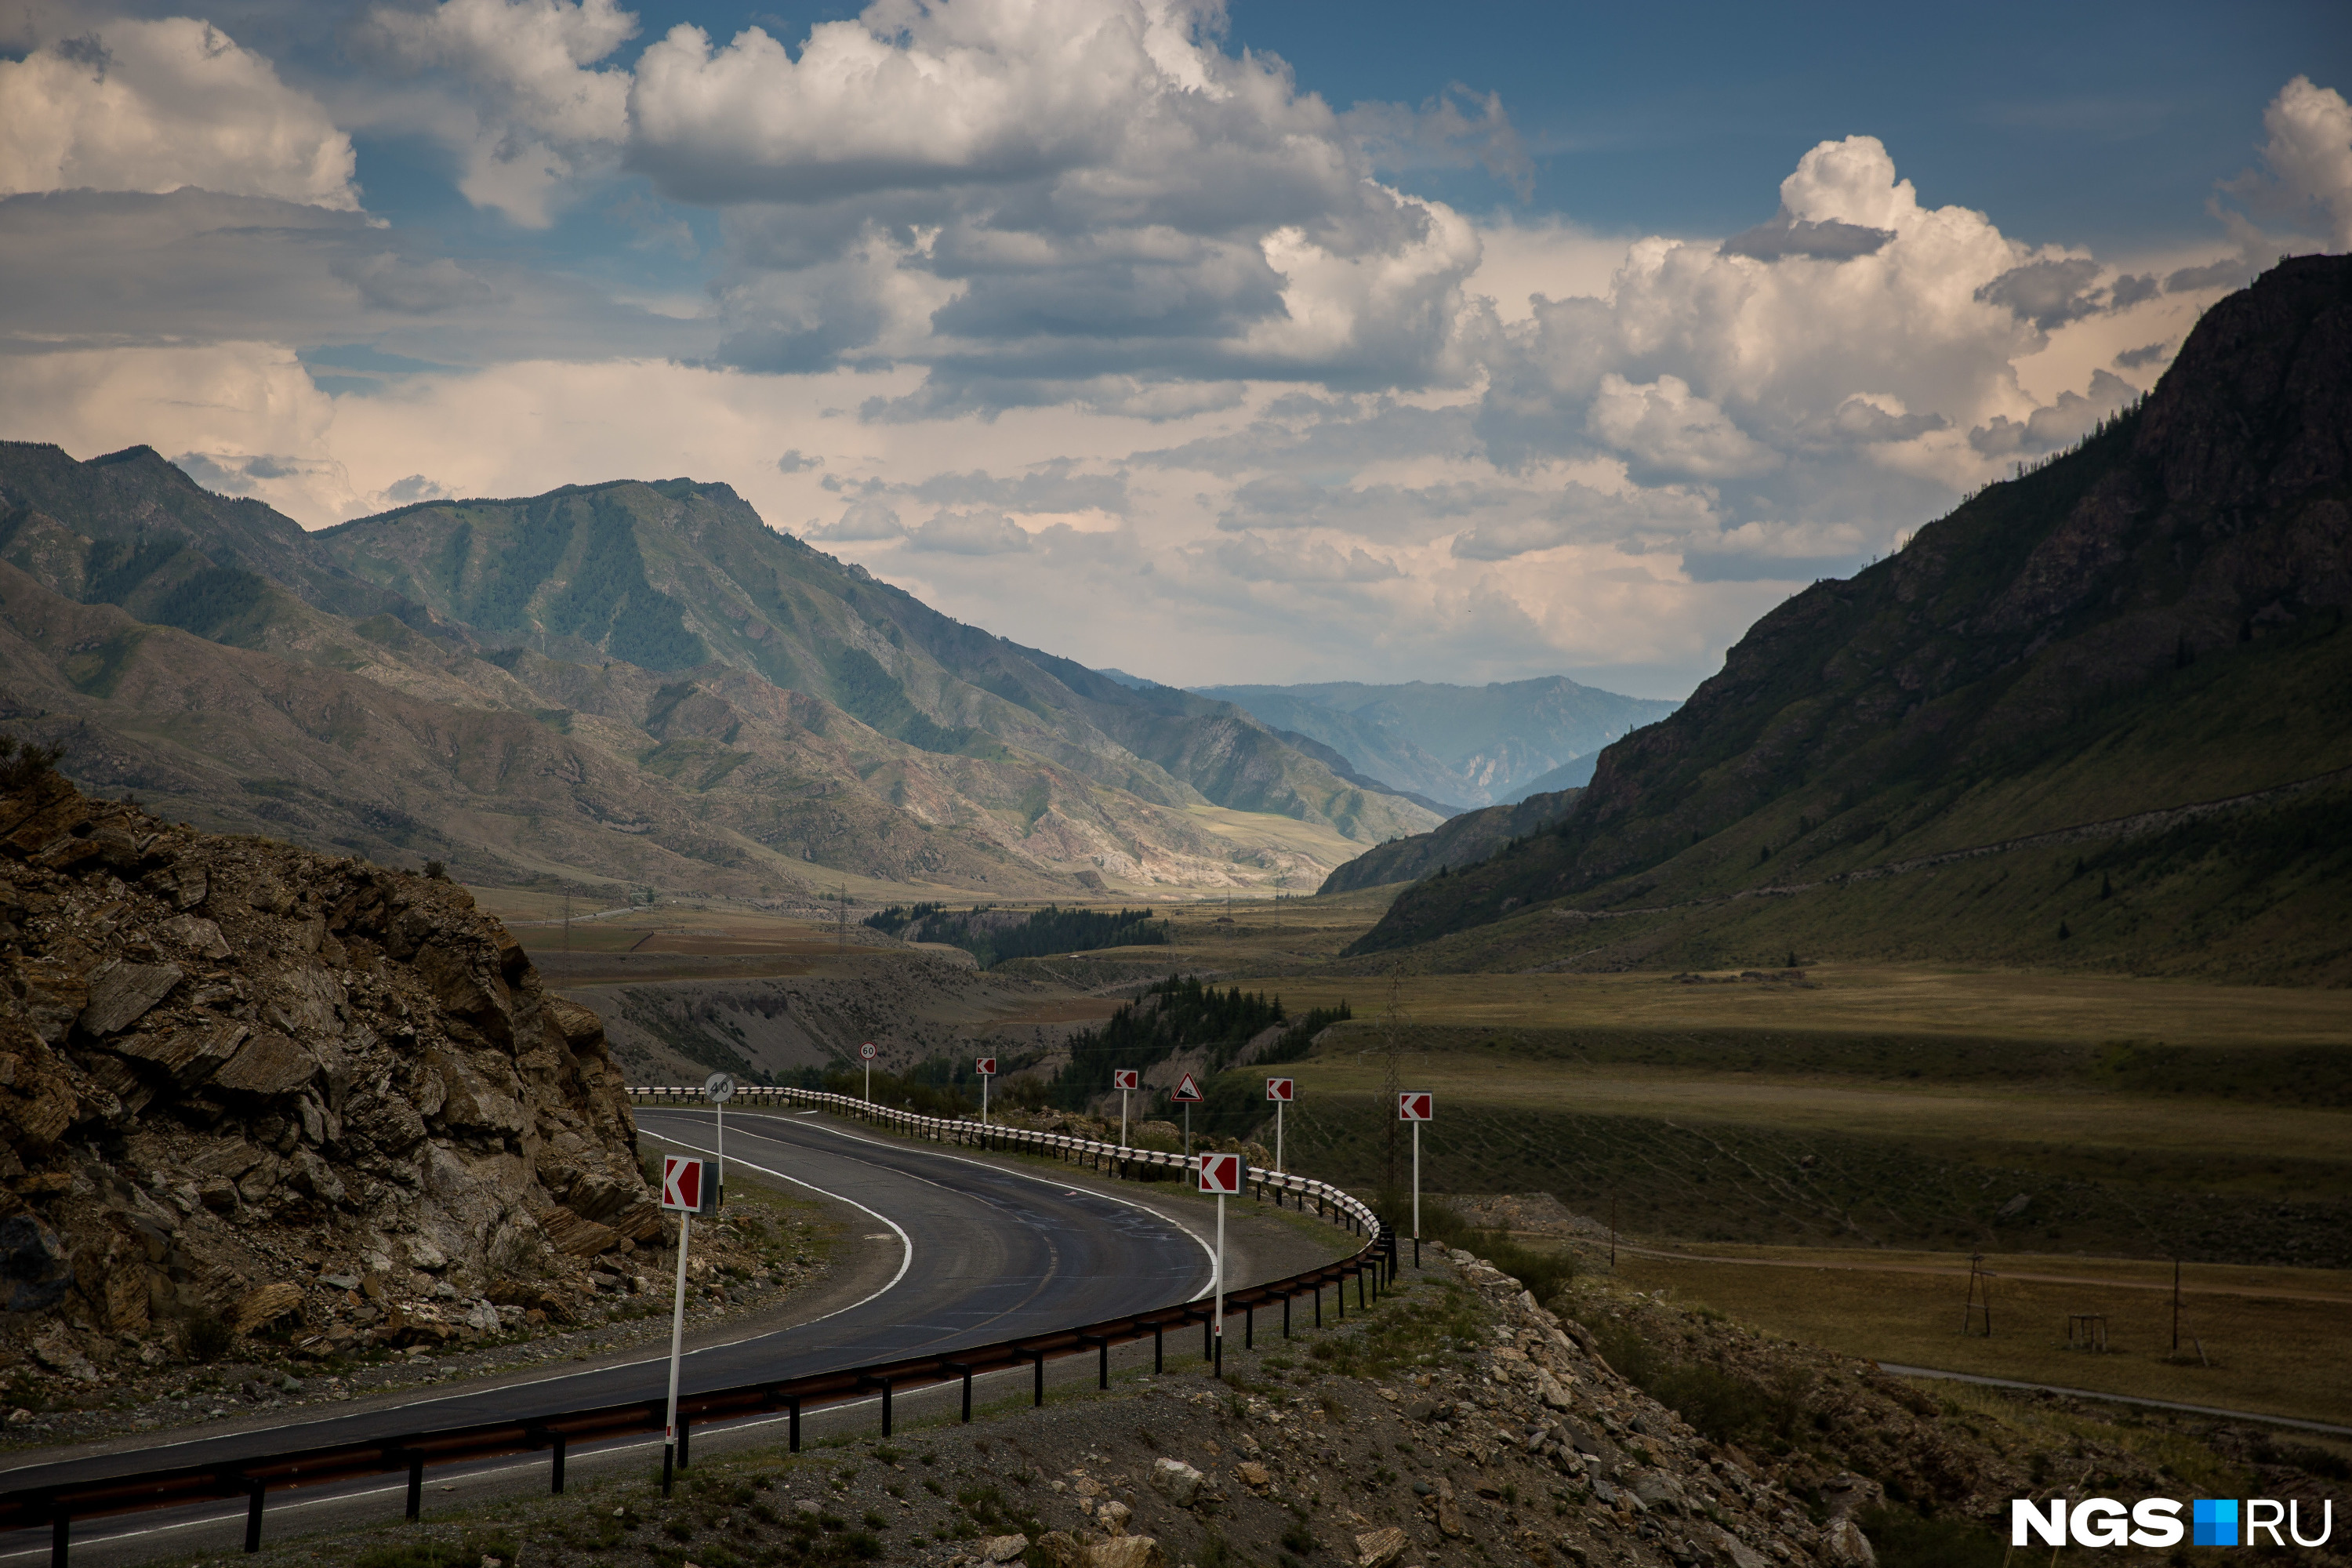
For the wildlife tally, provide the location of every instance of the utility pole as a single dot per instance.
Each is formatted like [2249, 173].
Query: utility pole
[1391, 1027]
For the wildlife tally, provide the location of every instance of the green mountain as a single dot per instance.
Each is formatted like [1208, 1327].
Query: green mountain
[626, 683]
[679, 575]
[1464, 840]
[1478, 745]
[2101, 714]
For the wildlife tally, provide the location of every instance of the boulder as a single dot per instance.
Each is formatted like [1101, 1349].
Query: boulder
[265, 1305]
[1377, 1548]
[121, 993]
[1002, 1548]
[1126, 1552]
[267, 1065]
[1844, 1545]
[1177, 1481]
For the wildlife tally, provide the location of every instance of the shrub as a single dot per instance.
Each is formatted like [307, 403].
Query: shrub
[1903, 1540]
[207, 1338]
[24, 764]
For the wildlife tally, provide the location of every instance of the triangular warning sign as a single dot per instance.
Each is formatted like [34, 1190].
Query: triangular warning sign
[1185, 1088]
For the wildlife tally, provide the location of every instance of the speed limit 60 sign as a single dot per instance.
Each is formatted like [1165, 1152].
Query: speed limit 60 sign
[1416, 1105]
[1277, 1088]
[1125, 1078]
[987, 1066]
[867, 1051]
[1221, 1173]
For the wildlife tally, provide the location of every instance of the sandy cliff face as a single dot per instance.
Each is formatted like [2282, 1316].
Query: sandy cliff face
[305, 1096]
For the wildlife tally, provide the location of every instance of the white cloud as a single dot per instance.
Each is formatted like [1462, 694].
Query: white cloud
[156, 106]
[2309, 159]
[1665, 429]
[542, 118]
[1057, 200]
[861, 521]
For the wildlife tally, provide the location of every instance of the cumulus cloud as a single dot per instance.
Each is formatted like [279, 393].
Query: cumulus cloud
[975, 532]
[1055, 200]
[2073, 417]
[864, 519]
[2048, 292]
[2309, 160]
[1578, 513]
[797, 462]
[1664, 428]
[1254, 559]
[158, 106]
[542, 117]
[1827, 240]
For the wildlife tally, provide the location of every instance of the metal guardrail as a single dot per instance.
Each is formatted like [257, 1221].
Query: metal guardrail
[255, 1478]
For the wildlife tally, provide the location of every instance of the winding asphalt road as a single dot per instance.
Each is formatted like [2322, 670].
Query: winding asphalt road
[988, 1253]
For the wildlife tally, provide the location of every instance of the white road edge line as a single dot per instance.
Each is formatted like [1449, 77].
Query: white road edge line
[1207, 1250]
[906, 1261]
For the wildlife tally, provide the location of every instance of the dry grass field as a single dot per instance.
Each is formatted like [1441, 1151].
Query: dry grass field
[2274, 1338]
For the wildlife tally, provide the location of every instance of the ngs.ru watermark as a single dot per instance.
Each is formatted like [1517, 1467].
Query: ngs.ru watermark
[2156, 1522]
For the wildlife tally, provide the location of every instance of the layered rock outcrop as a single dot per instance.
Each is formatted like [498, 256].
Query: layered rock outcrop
[247, 1085]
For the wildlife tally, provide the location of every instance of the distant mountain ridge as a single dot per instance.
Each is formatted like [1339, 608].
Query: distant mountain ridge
[1464, 840]
[1473, 745]
[2150, 622]
[636, 681]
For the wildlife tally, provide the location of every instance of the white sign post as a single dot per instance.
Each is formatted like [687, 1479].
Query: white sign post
[1416, 1106]
[1186, 1093]
[721, 1088]
[1278, 1090]
[685, 1192]
[1124, 1080]
[867, 1051]
[987, 1066]
[1221, 1175]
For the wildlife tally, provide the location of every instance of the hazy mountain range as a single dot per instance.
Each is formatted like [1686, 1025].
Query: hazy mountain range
[637, 682]
[1465, 746]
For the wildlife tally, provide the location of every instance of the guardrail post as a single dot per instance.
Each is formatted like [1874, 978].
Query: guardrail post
[965, 1368]
[60, 1536]
[554, 1440]
[1286, 1317]
[793, 1426]
[1319, 1303]
[1102, 1357]
[1360, 1287]
[1209, 1335]
[1156, 1330]
[254, 1493]
[1249, 1327]
[1040, 1356]
[416, 1483]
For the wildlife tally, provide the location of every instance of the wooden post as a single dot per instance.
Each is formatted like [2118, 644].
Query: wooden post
[2176, 1306]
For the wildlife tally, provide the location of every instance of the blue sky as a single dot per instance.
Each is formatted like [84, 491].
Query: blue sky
[1492, 341]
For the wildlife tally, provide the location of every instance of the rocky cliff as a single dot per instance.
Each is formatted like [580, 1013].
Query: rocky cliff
[244, 1086]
